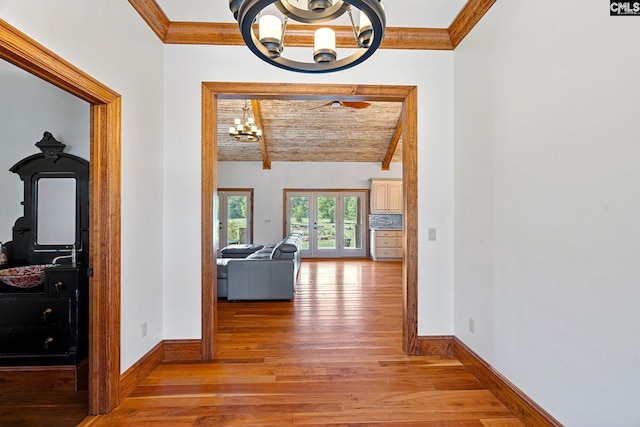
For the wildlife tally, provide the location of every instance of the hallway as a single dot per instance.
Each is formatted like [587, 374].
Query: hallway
[331, 357]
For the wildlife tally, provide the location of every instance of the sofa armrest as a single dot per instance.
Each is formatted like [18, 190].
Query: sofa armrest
[261, 279]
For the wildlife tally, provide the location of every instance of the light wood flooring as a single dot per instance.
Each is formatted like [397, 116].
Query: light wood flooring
[331, 357]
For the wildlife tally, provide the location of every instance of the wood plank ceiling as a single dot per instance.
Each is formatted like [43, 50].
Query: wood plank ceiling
[296, 130]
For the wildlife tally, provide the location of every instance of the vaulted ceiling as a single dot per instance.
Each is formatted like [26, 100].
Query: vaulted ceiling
[301, 130]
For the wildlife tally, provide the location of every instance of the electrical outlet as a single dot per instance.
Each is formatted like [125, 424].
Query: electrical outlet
[472, 325]
[143, 327]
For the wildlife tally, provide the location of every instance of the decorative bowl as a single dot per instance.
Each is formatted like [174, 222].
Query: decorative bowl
[26, 277]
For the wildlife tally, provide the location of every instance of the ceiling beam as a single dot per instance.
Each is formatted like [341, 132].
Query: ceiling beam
[219, 33]
[257, 116]
[468, 17]
[392, 145]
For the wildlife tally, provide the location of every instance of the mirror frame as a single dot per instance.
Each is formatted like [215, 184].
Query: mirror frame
[51, 163]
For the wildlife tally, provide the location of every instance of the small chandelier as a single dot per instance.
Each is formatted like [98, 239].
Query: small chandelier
[245, 129]
[268, 45]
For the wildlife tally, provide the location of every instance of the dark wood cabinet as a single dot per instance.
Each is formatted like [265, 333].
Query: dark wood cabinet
[47, 325]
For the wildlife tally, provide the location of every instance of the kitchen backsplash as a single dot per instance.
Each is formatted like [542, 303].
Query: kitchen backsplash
[385, 221]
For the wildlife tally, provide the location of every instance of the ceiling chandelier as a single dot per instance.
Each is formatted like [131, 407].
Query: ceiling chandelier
[245, 129]
[268, 44]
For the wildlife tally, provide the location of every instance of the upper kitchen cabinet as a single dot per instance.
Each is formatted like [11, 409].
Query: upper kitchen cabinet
[386, 196]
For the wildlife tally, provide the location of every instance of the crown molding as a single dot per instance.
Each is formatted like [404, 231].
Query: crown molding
[217, 33]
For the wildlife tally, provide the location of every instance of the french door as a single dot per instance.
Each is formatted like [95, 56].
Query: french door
[333, 222]
[235, 217]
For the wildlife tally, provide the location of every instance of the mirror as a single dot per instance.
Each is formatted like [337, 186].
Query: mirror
[56, 211]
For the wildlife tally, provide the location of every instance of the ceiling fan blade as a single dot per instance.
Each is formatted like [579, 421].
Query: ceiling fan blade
[355, 104]
[350, 104]
[323, 105]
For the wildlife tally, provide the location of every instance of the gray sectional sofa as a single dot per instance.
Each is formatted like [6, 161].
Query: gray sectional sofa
[256, 272]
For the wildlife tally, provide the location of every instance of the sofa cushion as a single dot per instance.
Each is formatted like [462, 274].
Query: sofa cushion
[240, 250]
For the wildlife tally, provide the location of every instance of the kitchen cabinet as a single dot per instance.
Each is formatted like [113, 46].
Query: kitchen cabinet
[386, 244]
[386, 196]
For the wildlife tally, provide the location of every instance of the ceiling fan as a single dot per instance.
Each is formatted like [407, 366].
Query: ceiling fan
[338, 104]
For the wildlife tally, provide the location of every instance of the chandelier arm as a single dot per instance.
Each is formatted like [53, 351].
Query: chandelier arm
[353, 27]
[284, 31]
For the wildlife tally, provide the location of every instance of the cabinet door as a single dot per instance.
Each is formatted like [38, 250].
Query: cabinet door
[394, 197]
[379, 197]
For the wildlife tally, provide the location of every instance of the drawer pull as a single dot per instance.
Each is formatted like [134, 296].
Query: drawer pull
[58, 286]
[46, 343]
[47, 311]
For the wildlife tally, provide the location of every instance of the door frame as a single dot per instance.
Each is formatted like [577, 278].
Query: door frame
[407, 95]
[104, 209]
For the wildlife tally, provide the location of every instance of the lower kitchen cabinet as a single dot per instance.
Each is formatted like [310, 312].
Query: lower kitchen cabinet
[386, 245]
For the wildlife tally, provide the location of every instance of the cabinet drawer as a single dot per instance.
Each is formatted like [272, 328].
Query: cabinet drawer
[61, 282]
[35, 311]
[386, 242]
[387, 233]
[26, 340]
[386, 253]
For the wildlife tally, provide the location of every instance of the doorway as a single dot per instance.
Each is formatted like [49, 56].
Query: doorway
[332, 222]
[104, 211]
[407, 95]
[235, 217]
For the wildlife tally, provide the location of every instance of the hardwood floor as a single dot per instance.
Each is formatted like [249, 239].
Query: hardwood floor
[331, 357]
[50, 409]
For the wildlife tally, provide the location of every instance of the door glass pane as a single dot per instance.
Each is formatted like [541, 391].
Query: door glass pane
[299, 208]
[326, 222]
[352, 215]
[237, 219]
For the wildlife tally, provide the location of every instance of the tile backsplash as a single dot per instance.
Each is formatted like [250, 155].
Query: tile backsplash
[385, 221]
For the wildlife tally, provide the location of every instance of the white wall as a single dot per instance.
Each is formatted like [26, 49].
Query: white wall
[161, 201]
[28, 107]
[187, 66]
[268, 185]
[547, 205]
[109, 41]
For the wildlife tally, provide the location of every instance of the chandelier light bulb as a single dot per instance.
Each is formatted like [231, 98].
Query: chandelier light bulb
[270, 33]
[365, 30]
[324, 45]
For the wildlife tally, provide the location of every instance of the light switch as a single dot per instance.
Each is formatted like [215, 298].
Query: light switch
[431, 234]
